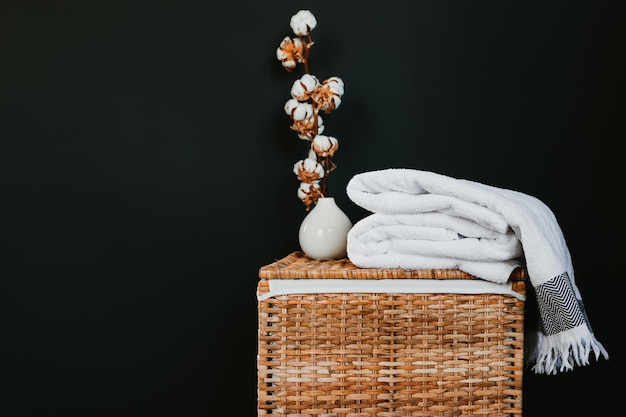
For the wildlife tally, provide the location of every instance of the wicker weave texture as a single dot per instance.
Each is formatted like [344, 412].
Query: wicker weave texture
[297, 265]
[357, 355]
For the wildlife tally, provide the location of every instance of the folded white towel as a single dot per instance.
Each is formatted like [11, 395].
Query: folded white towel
[425, 220]
[434, 241]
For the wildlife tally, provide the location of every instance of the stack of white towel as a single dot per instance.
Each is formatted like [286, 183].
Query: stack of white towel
[425, 220]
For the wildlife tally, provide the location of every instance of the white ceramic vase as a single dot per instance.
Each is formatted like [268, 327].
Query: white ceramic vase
[324, 231]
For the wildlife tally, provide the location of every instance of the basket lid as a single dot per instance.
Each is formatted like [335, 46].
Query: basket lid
[297, 265]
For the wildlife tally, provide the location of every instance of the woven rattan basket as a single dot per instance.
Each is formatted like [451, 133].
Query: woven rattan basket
[387, 354]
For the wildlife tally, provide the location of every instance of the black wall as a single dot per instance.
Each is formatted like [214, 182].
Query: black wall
[146, 176]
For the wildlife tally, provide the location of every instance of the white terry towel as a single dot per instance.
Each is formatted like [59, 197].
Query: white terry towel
[425, 220]
[433, 240]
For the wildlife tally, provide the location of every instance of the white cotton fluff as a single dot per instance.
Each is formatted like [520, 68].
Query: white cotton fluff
[304, 86]
[280, 52]
[290, 105]
[303, 22]
[309, 165]
[305, 189]
[323, 143]
[336, 85]
[332, 103]
[285, 52]
[297, 110]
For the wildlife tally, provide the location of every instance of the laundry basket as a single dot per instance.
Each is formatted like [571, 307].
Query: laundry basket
[357, 353]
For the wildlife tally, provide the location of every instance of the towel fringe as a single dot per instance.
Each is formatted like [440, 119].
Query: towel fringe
[562, 351]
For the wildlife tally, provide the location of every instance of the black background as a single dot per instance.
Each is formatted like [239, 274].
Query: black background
[146, 176]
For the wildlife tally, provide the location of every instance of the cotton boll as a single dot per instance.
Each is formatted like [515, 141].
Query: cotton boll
[306, 128]
[298, 91]
[314, 167]
[299, 111]
[330, 103]
[328, 94]
[290, 52]
[303, 22]
[325, 145]
[290, 105]
[303, 87]
[305, 189]
[308, 170]
[335, 84]
[308, 192]
[302, 111]
[310, 81]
